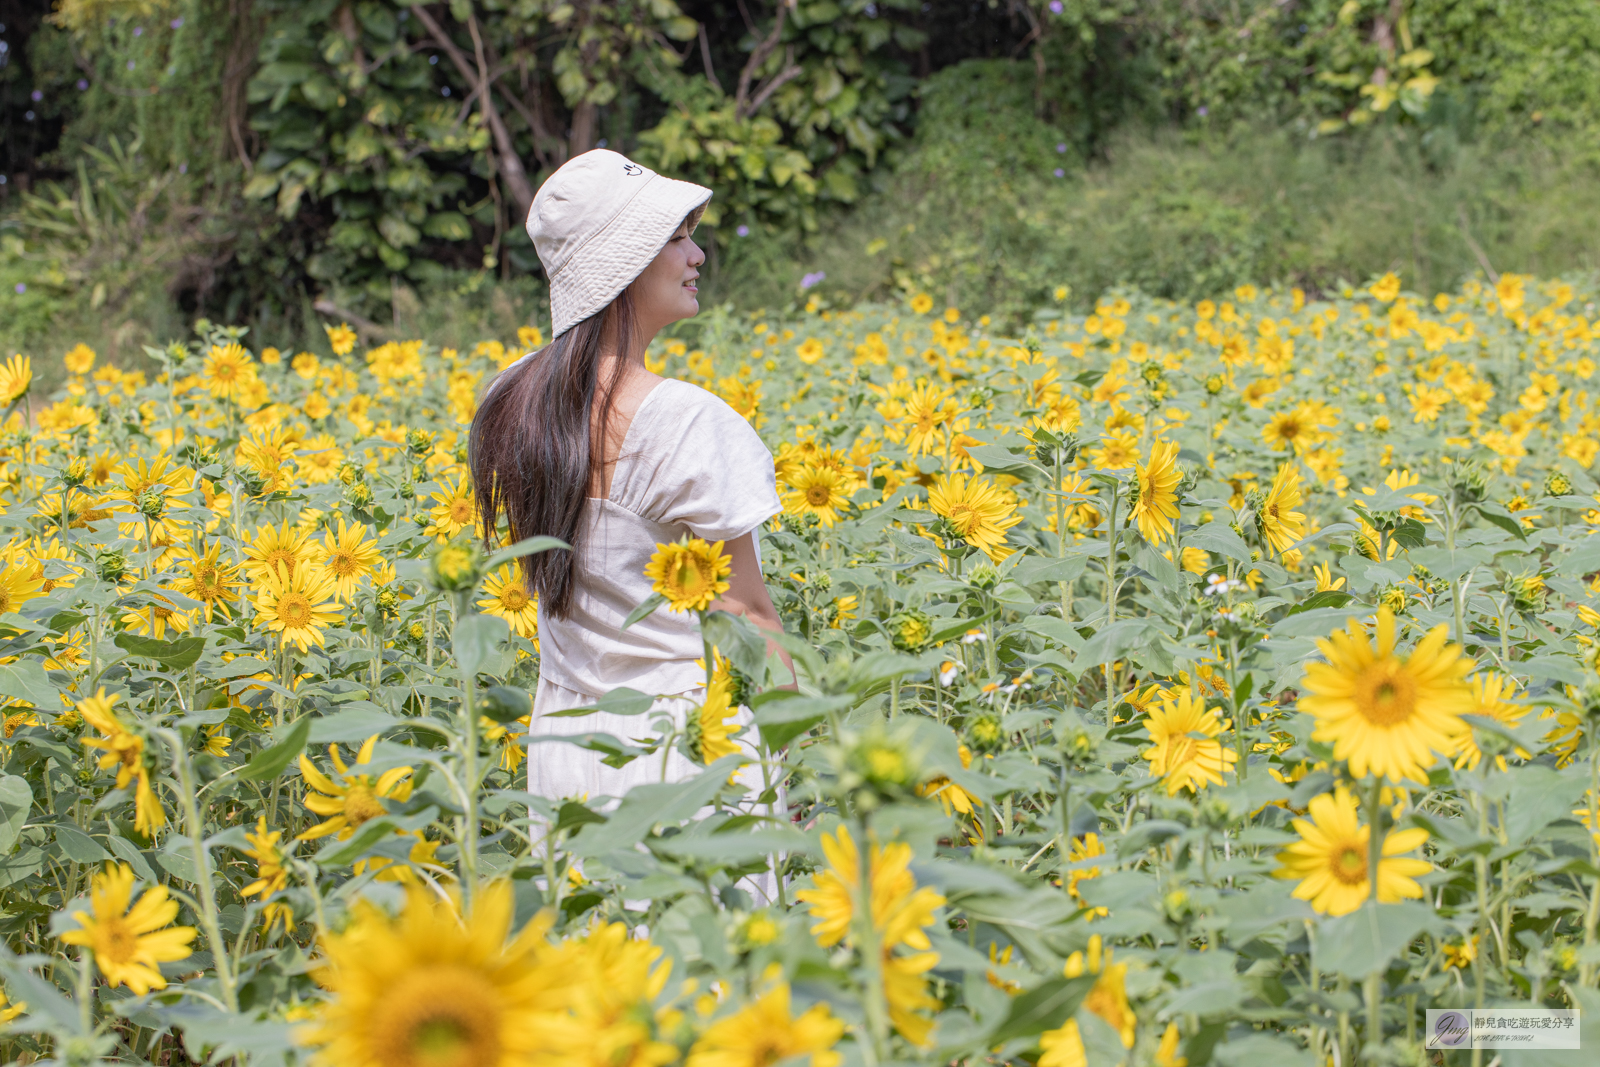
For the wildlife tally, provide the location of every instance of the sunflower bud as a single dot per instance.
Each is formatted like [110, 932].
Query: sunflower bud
[349, 473]
[1077, 745]
[1469, 481]
[77, 472]
[879, 766]
[111, 565]
[1394, 598]
[387, 602]
[419, 442]
[1215, 384]
[822, 581]
[152, 502]
[1527, 592]
[1557, 484]
[408, 490]
[358, 495]
[250, 481]
[985, 734]
[455, 567]
[911, 630]
[984, 576]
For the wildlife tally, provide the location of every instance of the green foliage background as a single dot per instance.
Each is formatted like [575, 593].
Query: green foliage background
[248, 159]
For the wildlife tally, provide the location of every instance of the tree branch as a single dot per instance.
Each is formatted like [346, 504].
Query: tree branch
[705, 57]
[741, 99]
[477, 76]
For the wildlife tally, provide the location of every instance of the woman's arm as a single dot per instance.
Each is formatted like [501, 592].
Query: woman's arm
[747, 594]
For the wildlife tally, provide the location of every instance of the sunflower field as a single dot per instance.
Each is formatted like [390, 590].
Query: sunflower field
[1173, 685]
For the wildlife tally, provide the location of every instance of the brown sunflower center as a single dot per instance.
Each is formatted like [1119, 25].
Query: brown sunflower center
[460, 510]
[1386, 695]
[818, 496]
[438, 1017]
[343, 564]
[294, 610]
[1350, 865]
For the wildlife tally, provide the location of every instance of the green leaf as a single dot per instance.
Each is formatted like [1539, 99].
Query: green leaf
[1326, 598]
[505, 703]
[573, 814]
[528, 546]
[26, 680]
[475, 639]
[644, 610]
[620, 701]
[448, 226]
[177, 655]
[270, 762]
[16, 800]
[79, 846]
[1364, 941]
[1496, 515]
[1218, 537]
[1046, 1006]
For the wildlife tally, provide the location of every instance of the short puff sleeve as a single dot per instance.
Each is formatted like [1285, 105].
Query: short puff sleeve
[691, 460]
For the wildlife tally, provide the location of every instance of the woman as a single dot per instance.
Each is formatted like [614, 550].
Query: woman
[580, 441]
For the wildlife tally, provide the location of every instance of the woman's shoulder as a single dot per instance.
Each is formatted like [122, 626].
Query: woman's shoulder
[681, 407]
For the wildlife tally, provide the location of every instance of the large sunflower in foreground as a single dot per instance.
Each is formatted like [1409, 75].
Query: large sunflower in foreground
[1385, 714]
[434, 988]
[298, 603]
[690, 573]
[977, 510]
[766, 1031]
[1157, 508]
[1330, 859]
[16, 376]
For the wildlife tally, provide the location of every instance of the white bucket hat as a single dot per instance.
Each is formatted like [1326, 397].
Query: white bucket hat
[598, 222]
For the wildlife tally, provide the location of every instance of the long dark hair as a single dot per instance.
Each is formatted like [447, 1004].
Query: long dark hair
[537, 437]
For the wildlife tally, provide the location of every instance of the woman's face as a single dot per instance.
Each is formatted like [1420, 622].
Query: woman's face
[666, 291]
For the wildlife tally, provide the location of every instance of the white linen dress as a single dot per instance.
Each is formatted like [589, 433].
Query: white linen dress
[689, 464]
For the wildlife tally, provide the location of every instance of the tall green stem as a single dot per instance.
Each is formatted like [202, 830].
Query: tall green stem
[210, 917]
[1111, 590]
[1373, 989]
[468, 863]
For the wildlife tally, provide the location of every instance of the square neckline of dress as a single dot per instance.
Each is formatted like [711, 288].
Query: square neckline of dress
[622, 447]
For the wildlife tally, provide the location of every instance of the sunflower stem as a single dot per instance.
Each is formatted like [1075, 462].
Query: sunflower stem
[469, 762]
[1111, 588]
[209, 916]
[1591, 918]
[1373, 987]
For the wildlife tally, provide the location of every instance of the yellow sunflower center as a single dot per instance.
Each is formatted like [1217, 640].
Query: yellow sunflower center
[1181, 750]
[117, 941]
[687, 578]
[6, 600]
[460, 510]
[437, 1017]
[361, 803]
[1350, 865]
[818, 496]
[513, 598]
[1385, 694]
[294, 610]
[343, 564]
[279, 555]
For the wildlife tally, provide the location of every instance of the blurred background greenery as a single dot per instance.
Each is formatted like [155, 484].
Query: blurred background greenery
[279, 163]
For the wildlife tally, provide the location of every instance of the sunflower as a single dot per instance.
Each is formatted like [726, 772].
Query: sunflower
[819, 491]
[765, 1031]
[506, 596]
[348, 557]
[157, 617]
[433, 987]
[1186, 753]
[976, 509]
[130, 943]
[951, 796]
[1388, 715]
[928, 409]
[1276, 520]
[1330, 859]
[1063, 1047]
[79, 359]
[228, 371]
[319, 459]
[20, 578]
[295, 603]
[355, 797]
[710, 729]
[271, 875]
[341, 338]
[274, 547]
[810, 350]
[1491, 698]
[16, 375]
[124, 750]
[606, 1017]
[205, 577]
[455, 509]
[1118, 450]
[690, 573]
[1288, 429]
[1157, 507]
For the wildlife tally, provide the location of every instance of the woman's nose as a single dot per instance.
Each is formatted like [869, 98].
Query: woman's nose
[698, 256]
